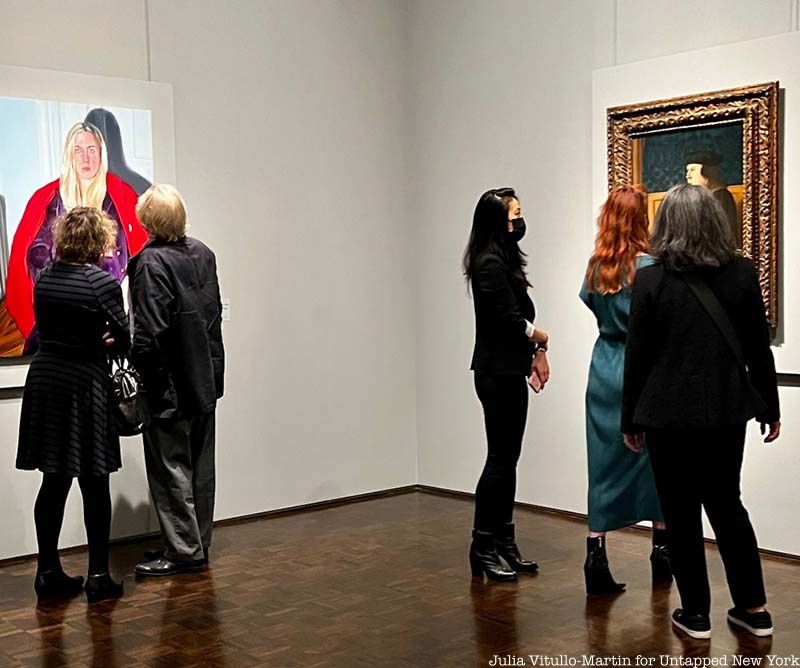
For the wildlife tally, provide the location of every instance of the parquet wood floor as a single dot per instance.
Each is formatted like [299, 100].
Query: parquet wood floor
[383, 582]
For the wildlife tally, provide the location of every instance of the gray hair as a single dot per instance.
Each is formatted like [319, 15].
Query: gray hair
[691, 230]
[162, 212]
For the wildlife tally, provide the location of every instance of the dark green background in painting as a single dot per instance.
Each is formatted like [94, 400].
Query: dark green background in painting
[665, 154]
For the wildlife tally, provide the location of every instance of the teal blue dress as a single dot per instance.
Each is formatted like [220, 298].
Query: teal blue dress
[622, 490]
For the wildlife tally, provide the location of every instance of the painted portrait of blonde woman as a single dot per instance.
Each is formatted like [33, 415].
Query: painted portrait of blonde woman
[84, 181]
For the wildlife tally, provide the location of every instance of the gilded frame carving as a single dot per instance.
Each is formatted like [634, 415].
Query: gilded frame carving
[756, 107]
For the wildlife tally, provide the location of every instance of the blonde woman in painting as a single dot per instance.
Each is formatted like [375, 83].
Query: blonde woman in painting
[622, 491]
[84, 182]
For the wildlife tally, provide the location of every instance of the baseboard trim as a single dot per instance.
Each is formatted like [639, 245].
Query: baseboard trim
[317, 505]
[10, 393]
[789, 379]
[242, 519]
[126, 540]
[774, 555]
[565, 514]
[371, 496]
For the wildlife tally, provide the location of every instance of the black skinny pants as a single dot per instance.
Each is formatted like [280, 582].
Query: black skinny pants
[505, 409]
[701, 469]
[49, 516]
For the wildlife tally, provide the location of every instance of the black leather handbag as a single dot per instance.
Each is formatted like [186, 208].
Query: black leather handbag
[129, 409]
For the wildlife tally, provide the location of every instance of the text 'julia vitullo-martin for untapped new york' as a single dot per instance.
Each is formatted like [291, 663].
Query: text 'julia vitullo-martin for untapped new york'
[566, 661]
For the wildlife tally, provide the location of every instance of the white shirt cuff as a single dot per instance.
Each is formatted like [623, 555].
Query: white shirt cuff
[529, 329]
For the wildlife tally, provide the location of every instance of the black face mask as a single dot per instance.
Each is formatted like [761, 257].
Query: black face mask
[518, 229]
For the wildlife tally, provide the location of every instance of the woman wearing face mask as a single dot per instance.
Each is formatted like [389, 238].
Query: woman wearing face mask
[508, 350]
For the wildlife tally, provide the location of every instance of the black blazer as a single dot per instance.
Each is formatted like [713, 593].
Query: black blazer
[680, 371]
[502, 306]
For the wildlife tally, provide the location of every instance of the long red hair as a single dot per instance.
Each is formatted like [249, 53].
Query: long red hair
[622, 234]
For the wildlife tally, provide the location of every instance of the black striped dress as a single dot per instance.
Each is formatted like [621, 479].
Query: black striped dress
[65, 427]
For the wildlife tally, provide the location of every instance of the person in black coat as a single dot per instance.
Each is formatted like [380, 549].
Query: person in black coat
[508, 350]
[686, 395]
[66, 430]
[178, 350]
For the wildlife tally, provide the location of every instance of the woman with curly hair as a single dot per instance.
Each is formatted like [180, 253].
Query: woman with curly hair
[66, 428]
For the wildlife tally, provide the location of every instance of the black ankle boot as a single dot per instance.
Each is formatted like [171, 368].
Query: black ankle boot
[507, 549]
[101, 586]
[56, 583]
[484, 560]
[598, 576]
[659, 560]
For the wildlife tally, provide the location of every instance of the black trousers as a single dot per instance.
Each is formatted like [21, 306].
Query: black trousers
[701, 469]
[49, 516]
[505, 409]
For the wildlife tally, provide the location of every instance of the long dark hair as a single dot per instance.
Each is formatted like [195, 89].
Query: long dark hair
[490, 233]
[691, 230]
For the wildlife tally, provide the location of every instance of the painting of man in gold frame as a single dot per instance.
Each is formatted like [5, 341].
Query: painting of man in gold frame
[752, 204]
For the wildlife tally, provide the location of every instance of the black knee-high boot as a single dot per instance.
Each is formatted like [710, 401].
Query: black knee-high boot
[595, 569]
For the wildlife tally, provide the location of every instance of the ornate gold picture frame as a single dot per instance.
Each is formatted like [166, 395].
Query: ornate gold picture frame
[752, 110]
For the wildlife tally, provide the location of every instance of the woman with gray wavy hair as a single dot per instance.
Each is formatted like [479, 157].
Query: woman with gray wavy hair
[698, 367]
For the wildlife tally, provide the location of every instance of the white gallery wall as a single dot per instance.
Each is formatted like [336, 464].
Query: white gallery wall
[291, 142]
[291, 138]
[504, 97]
[331, 152]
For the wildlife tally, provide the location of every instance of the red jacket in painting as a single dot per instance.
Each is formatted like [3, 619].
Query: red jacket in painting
[19, 285]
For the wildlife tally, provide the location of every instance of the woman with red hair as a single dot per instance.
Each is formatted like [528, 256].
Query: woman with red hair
[622, 490]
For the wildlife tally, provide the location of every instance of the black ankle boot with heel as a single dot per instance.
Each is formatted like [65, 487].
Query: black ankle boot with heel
[55, 583]
[506, 545]
[659, 560]
[100, 587]
[596, 571]
[484, 559]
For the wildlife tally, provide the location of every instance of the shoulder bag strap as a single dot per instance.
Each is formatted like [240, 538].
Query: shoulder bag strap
[711, 304]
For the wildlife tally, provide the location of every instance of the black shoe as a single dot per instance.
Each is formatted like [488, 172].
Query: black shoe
[758, 623]
[100, 587]
[696, 625]
[151, 555]
[595, 569]
[55, 583]
[484, 560]
[659, 560]
[163, 566]
[507, 549]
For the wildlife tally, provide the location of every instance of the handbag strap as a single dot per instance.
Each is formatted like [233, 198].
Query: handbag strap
[711, 304]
